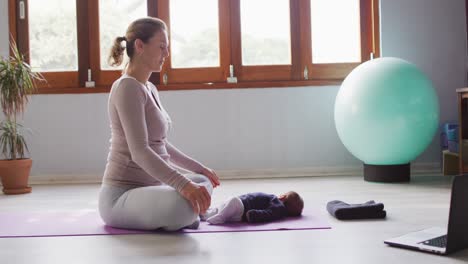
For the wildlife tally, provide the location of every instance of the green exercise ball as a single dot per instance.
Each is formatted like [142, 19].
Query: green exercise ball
[386, 112]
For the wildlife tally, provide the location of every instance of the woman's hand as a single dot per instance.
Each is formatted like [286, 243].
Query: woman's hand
[212, 176]
[197, 196]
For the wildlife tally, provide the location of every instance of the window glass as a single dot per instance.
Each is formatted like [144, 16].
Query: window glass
[266, 36]
[194, 37]
[52, 35]
[335, 31]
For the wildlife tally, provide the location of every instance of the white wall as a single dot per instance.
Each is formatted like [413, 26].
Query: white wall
[432, 35]
[244, 129]
[226, 129]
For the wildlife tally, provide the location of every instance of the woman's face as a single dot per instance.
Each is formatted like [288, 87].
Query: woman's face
[155, 51]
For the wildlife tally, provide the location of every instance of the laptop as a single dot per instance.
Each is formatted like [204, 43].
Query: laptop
[440, 240]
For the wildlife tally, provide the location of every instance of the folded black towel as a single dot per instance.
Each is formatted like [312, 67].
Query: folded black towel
[345, 211]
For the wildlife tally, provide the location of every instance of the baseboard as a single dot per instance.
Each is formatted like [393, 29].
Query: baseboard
[429, 169]
[426, 169]
[290, 172]
[65, 179]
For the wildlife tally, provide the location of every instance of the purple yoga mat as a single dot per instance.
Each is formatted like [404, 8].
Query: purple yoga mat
[88, 223]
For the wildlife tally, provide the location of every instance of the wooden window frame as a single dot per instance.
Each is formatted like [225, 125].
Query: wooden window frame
[230, 52]
[19, 29]
[206, 74]
[301, 56]
[264, 72]
[106, 77]
[370, 44]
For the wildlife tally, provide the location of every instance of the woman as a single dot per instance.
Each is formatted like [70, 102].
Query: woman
[141, 189]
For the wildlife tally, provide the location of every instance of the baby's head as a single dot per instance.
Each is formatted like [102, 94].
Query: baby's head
[293, 202]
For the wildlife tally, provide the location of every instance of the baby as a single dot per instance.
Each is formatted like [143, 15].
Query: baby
[255, 208]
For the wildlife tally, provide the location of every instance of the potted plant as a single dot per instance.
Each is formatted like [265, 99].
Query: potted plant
[17, 82]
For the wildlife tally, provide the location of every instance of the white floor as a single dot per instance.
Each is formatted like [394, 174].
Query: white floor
[422, 203]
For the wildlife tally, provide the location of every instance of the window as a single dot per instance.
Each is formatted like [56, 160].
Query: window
[265, 37]
[194, 39]
[331, 27]
[114, 18]
[38, 38]
[47, 57]
[263, 43]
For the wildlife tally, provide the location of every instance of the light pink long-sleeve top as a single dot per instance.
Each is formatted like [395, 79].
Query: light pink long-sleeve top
[140, 154]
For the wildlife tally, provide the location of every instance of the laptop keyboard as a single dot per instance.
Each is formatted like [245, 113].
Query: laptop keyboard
[436, 242]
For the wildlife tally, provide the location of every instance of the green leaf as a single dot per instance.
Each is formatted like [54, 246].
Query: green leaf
[17, 83]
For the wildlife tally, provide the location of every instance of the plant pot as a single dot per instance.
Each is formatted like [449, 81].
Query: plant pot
[15, 176]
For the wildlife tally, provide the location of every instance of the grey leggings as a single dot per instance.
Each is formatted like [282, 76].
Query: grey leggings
[148, 208]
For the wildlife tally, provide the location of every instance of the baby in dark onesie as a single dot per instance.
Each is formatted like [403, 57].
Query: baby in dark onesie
[256, 208]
